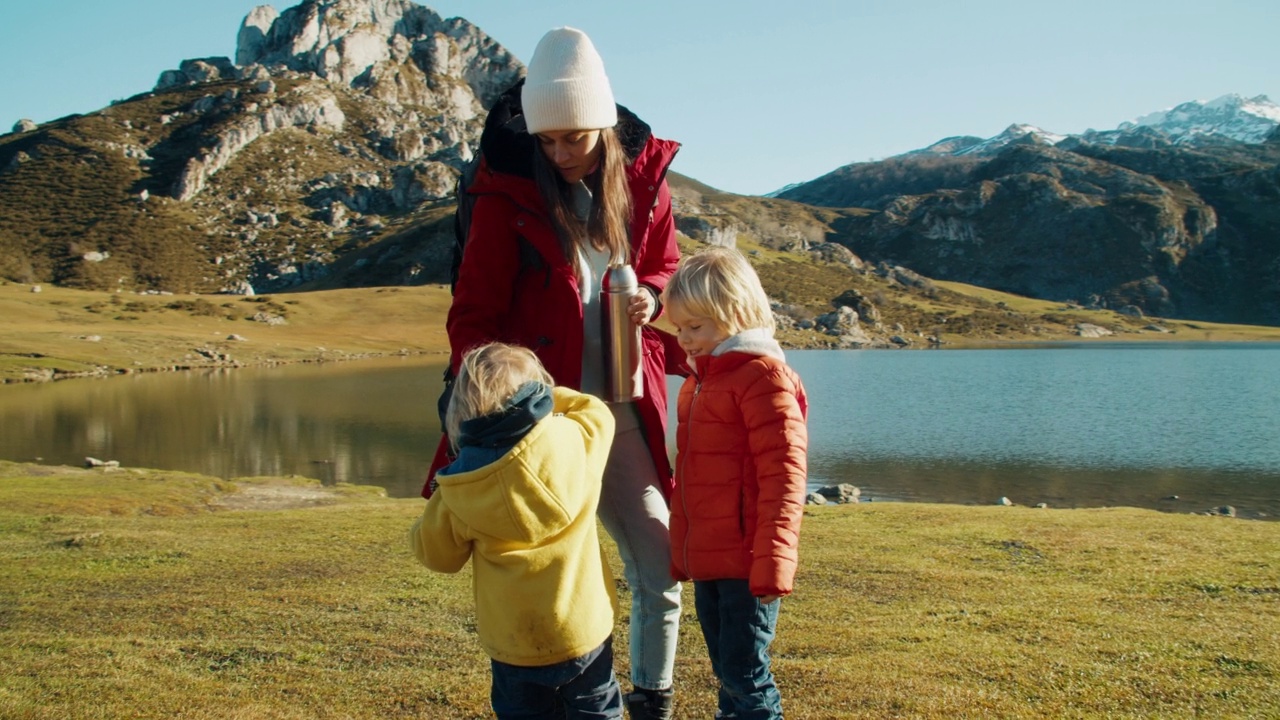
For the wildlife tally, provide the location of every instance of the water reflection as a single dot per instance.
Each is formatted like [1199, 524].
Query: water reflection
[368, 423]
[1080, 427]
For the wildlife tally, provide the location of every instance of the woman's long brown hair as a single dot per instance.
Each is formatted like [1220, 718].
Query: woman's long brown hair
[608, 224]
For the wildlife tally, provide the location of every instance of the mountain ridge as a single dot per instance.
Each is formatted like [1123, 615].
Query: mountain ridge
[325, 156]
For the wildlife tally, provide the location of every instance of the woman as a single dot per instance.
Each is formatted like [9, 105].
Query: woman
[570, 183]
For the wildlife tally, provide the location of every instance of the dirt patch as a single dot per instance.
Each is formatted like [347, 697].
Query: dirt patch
[275, 497]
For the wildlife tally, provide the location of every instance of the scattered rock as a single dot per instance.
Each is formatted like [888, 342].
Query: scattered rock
[863, 306]
[1005, 502]
[814, 498]
[92, 462]
[903, 276]
[211, 354]
[269, 318]
[1089, 330]
[842, 494]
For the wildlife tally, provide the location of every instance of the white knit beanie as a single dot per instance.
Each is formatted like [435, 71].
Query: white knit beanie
[566, 88]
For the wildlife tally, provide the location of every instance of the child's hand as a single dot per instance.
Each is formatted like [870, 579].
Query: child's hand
[768, 599]
[642, 306]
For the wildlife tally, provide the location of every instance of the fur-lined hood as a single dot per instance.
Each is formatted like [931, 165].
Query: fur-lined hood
[756, 341]
[738, 350]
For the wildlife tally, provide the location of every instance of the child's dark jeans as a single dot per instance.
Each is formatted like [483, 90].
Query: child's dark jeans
[738, 629]
[583, 687]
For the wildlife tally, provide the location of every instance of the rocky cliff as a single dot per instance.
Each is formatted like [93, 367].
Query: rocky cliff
[1136, 220]
[337, 122]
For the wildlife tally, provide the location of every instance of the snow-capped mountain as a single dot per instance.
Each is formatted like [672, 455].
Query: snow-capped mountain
[969, 145]
[1248, 120]
[1230, 118]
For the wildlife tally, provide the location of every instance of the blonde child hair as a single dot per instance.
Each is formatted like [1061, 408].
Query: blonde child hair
[718, 283]
[488, 376]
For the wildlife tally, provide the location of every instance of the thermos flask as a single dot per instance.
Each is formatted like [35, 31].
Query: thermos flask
[623, 379]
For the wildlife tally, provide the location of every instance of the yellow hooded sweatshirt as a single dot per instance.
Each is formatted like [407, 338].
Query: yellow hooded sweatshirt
[543, 592]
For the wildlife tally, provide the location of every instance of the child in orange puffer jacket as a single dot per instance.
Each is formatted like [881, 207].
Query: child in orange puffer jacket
[741, 472]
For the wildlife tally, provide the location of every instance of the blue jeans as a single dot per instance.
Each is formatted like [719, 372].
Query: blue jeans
[738, 629]
[582, 688]
[635, 515]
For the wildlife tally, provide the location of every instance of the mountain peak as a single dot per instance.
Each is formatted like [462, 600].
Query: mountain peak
[253, 34]
[1230, 116]
[390, 48]
[968, 145]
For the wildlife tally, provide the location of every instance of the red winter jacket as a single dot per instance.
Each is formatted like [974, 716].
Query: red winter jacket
[741, 467]
[515, 284]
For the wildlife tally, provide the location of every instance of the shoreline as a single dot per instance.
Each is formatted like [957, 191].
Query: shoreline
[60, 333]
[325, 356]
[108, 373]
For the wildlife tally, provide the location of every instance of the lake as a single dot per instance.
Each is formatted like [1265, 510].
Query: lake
[1182, 428]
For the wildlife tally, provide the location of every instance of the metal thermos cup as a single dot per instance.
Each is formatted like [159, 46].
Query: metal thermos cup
[623, 379]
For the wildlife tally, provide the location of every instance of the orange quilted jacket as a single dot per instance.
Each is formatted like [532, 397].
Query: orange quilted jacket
[740, 467]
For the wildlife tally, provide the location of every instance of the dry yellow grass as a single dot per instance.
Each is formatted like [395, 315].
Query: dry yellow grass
[1179, 330]
[132, 594]
[64, 331]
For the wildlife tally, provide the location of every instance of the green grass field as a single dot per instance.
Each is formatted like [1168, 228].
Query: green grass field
[149, 594]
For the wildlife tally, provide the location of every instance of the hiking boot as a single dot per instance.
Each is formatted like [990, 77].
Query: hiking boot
[646, 704]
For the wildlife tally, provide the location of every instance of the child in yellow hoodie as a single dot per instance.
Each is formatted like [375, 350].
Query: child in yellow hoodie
[520, 502]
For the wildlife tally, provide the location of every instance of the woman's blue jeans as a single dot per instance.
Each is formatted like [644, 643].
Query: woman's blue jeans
[635, 515]
[738, 629]
[583, 688]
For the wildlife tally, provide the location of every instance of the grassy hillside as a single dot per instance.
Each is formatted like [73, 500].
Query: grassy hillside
[957, 314]
[62, 332]
[150, 594]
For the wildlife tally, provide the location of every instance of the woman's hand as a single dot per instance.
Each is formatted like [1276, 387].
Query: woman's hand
[642, 305]
[767, 599]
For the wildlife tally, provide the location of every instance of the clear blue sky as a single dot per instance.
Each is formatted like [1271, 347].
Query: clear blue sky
[761, 94]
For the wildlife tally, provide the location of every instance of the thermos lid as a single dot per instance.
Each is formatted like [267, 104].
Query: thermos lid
[620, 277]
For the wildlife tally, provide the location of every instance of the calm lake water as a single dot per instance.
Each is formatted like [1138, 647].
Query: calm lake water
[1088, 426]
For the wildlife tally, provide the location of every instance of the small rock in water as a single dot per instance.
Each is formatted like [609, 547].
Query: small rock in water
[1042, 506]
[840, 494]
[93, 462]
[1004, 501]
